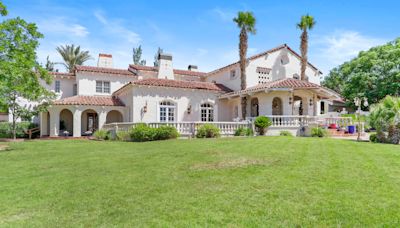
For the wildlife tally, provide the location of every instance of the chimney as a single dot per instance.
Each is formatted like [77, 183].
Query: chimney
[165, 68]
[192, 68]
[105, 60]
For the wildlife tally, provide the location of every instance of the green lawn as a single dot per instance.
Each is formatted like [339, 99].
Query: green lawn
[262, 181]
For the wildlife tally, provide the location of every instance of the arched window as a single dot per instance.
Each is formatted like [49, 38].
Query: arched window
[207, 112]
[167, 111]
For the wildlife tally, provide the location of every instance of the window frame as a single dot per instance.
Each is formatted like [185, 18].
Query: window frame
[207, 112]
[232, 74]
[57, 86]
[167, 111]
[101, 88]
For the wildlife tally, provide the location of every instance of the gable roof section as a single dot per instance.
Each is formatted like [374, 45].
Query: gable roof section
[132, 68]
[287, 83]
[90, 100]
[103, 70]
[213, 87]
[262, 54]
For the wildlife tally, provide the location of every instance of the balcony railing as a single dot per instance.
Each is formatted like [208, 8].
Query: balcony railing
[184, 128]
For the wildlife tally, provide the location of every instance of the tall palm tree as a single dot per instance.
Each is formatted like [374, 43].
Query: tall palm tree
[246, 22]
[72, 56]
[307, 22]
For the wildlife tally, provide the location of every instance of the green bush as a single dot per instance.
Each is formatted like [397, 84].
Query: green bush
[244, 131]
[319, 132]
[102, 134]
[143, 133]
[208, 131]
[166, 132]
[22, 127]
[373, 138]
[285, 133]
[123, 136]
[262, 123]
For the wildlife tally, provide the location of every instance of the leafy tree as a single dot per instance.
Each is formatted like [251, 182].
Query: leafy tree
[374, 74]
[20, 73]
[137, 56]
[156, 61]
[49, 64]
[73, 56]
[246, 22]
[3, 9]
[306, 23]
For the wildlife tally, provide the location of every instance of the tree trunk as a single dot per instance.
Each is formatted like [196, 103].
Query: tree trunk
[304, 49]
[242, 55]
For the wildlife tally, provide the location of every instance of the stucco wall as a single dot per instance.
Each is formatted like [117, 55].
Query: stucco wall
[181, 97]
[66, 86]
[87, 82]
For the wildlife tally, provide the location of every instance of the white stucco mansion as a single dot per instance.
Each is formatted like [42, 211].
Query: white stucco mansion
[93, 96]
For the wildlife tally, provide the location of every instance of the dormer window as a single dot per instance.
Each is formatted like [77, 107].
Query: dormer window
[233, 74]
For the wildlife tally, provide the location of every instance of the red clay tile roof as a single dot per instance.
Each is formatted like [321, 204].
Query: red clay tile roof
[90, 100]
[289, 83]
[105, 55]
[103, 70]
[176, 71]
[262, 54]
[179, 84]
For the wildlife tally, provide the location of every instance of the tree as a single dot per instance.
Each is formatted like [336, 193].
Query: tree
[49, 64]
[20, 73]
[374, 74]
[246, 22]
[156, 61]
[137, 56]
[73, 56]
[306, 23]
[3, 9]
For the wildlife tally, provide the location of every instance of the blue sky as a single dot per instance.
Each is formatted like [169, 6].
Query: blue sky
[202, 32]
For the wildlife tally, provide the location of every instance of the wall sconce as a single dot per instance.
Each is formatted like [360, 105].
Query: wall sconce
[290, 100]
[145, 108]
[189, 109]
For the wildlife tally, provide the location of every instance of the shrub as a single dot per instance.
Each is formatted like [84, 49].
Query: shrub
[22, 127]
[208, 131]
[166, 132]
[102, 134]
[244, 131]
[394, 134]
[123, 136]
[373, 138]
[143, 133]
[319, 132]
[262, 122]
[285, 133]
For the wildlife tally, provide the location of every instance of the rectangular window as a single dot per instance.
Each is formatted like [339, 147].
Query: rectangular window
[57, 88]
[75, 90]
[233, 74]
[102, 87]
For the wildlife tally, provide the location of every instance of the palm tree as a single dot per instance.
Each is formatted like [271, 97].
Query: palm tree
[72, 56]
[307, 22]
[246, 22]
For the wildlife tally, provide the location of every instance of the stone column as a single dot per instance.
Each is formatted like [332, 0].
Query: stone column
[54, 122]
[77, 123]
[102, 118]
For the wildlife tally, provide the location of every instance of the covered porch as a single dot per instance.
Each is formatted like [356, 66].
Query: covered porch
[80, 119]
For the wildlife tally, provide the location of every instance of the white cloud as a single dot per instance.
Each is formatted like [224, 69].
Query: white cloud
[63, 26]
[342, 46]
[116, 28]
[223, 14]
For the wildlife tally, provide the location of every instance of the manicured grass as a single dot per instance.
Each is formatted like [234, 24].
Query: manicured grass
[263, 181]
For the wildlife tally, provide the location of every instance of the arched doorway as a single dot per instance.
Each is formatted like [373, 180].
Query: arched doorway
[277, 109]
[66, 122]
[89, 121]
[114, 116]
[298, 105]
[254, 107]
